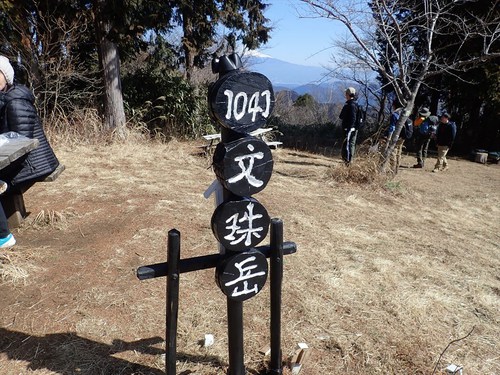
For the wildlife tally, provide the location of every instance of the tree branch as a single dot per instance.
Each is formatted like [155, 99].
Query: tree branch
[447, 346]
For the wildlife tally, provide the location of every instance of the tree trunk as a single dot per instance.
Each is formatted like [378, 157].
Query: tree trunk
[187, 43]
[114, 113]
[380, 114]
[405, 113]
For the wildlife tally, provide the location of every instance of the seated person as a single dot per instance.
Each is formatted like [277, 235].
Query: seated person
[18, 114]
[6, 238]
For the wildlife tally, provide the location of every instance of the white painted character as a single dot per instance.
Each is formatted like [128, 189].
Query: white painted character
[246, 274]
[246, 169]
[243, 233]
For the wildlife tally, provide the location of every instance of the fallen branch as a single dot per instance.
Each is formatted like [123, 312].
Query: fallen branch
[447, 346]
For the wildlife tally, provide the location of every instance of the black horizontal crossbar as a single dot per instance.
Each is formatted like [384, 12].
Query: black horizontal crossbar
[203, 262]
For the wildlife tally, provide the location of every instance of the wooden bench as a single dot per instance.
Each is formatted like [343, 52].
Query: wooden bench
[274, 144]
[260, 133]
[213, 139]
[13, 201]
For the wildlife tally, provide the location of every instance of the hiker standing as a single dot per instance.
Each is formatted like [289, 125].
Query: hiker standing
[446, 132]
[348, 117]
[425, 125]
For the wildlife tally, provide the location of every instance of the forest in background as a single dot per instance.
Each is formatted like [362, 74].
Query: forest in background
[106, 67]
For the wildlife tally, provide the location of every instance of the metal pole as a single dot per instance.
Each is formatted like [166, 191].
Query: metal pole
[173, 256]
[276, 266]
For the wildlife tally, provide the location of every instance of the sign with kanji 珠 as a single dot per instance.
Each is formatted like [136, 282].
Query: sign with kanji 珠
[240, 224]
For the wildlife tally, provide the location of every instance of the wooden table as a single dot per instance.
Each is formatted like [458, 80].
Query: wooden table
[14, 149]
[259, 133]
[10, 152]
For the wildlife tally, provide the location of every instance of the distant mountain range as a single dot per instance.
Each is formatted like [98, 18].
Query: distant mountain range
[284, 73]
[300, 79]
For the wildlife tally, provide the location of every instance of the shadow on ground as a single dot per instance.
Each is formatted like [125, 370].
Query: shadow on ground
[68, 353]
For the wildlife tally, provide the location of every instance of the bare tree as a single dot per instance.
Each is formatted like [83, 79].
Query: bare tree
[61, 71]
[342, 67]
[411, 32]
[44, 42]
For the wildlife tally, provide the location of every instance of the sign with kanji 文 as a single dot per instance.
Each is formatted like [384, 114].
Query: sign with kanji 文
[242, 101]
[244, 166]
[240, 224]
[243, 275]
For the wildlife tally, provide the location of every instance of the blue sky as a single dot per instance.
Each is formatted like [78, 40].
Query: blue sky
[299, 40]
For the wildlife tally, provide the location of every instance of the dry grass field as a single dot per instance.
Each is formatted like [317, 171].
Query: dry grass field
[395, 277]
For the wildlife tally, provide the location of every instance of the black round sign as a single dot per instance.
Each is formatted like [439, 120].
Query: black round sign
[242, 101]
[240, 224]
[244, 166]
[243, 275]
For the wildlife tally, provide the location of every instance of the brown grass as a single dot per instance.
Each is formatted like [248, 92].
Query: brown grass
[387, 273]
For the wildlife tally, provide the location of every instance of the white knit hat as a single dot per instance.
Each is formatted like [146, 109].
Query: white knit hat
[7, 70]
[351, 91]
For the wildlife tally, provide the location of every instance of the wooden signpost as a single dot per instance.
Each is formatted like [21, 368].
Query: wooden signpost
[240, 102]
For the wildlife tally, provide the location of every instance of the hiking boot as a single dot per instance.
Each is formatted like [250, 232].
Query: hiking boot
[445, 168]
[435, 170]
[3, 187]
[8, 241]
[418, 166]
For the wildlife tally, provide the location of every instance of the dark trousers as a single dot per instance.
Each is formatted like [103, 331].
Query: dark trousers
[349, 145]
[4, 228]
[422, 144]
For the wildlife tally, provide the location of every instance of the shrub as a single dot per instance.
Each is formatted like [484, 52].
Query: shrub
[166, 104]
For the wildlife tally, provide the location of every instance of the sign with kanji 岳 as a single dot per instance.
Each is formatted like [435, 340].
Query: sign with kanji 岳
[242, 276]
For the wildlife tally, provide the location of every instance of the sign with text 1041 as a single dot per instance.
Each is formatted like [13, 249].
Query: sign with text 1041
[242, 101]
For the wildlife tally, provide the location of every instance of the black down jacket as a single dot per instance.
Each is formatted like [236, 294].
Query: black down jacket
[19, 115]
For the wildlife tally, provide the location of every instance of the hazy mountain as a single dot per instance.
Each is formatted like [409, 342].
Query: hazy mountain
[329, 92]
[299, 79]
[282, 73]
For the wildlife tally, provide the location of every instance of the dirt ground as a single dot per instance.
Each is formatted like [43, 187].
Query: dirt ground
[394, 278]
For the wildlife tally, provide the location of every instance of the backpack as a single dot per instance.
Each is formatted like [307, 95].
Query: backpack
[428, 127]
[360, 117]
[407, 131]
[424, 128]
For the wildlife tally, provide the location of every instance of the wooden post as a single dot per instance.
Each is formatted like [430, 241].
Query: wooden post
[276, 265]
[234, 308]
[235, 337]
[173, 256]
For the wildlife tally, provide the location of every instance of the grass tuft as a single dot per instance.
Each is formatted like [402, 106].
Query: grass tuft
[363, 170]
[11, 271]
